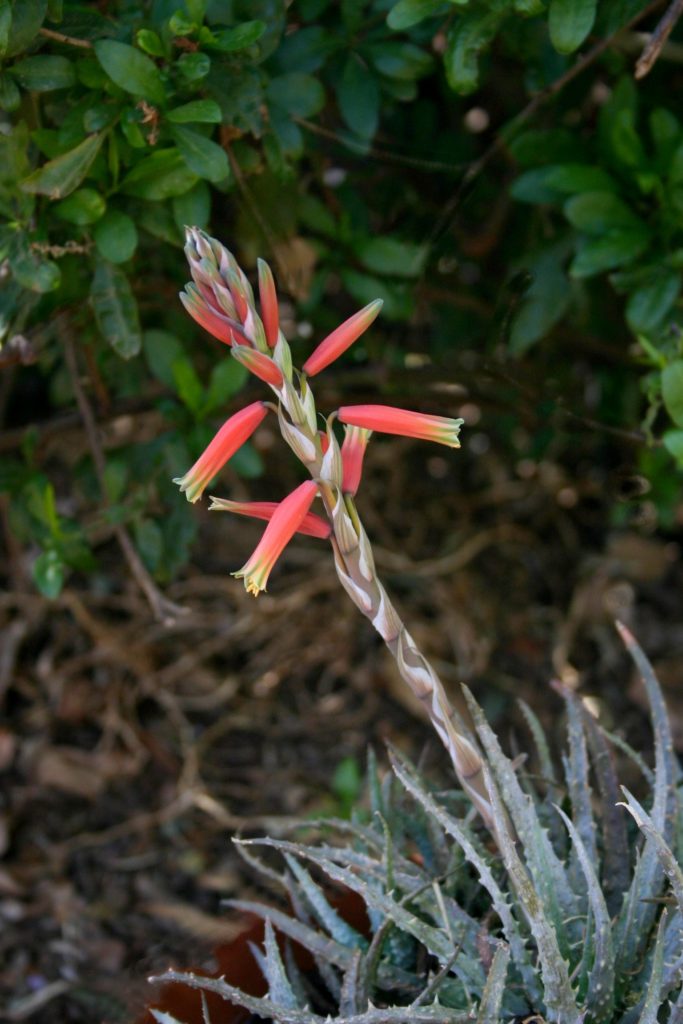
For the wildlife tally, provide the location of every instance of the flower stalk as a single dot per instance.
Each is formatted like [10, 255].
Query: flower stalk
[335, 473]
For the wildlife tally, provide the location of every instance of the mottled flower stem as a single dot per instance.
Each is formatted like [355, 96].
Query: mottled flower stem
[355, 565]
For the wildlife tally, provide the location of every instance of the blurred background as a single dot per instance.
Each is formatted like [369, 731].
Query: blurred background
[507, 175]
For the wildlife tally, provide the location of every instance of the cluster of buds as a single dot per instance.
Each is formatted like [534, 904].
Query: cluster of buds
[221, 300]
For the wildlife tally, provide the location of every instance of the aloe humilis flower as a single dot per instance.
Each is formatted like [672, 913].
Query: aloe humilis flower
[388, 420]
[221, 299]
[286, 520]
[342, 338]
[229, 438]
[352, 453]
[269, 309]
[311, 525]
[260, 365]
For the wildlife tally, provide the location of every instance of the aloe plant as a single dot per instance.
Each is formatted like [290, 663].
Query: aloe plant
[569, 908]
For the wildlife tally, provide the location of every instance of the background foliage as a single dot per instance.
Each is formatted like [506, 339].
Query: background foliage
[490, 168]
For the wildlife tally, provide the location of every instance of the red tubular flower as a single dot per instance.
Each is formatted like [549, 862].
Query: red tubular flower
[388, 420]
[352, 453]
[311, 525]
[270, 314]
[285, 522]
[341, 338]
[260, 365]
[207, 316]
[229, 438]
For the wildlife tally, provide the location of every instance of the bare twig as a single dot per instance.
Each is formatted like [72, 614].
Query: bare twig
[658, 38]
[164, 610]
[59, 37]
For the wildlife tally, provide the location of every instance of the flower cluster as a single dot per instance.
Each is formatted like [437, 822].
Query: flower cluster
[221, 300]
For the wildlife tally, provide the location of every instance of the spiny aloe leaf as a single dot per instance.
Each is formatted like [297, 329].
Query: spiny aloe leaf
[616, 853]
[435, 1014]
[638, 913]
[316, 943]
[557, 991]
[672, 868]
[492, 996]
[600, 997]
[577, 777]
[350, 999]
[502, 908]
[279, 987]
[620, 743]
[540, 741]
[653, 1002]
[548, 873]
[326, 914]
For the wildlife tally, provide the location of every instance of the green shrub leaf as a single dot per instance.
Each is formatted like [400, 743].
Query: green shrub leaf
[407, 13]
[391, 256]
[197, 111]
[43, 73]
[569, 22]
[58, 177]
[115, 309]
[648, 305]
[160, 175]
[116, 237]
[672, 390]
[82, 207]
[130, 69]
[48, 573]
[358, 97]
[203, 157]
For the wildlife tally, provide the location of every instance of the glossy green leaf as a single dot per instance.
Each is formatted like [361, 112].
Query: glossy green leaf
[48, 573]
[597, 212]
[193, 207]
[10, 96]
[150, 42]
[672, 390]
[161, 175]
[400, 60]
[391, 256]
[27, 18]
[358, 97]
[60, 176]
[115, 309]
[116, 236]
[227, 378]
[197, 111]
[36, 273]
[407, 13]
[468, 36]
[84, 206]
[130, 69]
[240, 37]
[43, 73]
[649, 305]
[203, 157]
[673, 442]
[613, 249]
[300, 95]
[187, 384]
[194, 66]
[5, 24]
[162, 350]
[569, 22]
[150, 543]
